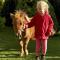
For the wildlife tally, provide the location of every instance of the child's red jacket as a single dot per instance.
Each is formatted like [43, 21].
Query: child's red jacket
[43, 25]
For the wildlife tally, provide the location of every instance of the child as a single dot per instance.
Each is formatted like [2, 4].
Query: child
[43, 24]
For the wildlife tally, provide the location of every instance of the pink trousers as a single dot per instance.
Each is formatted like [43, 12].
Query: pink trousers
[41, 45]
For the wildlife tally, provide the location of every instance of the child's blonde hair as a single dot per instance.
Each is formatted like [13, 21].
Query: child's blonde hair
[44, 4]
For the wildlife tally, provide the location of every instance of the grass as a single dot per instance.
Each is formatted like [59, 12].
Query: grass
[8, 39]
[53, 46]
[9, 47]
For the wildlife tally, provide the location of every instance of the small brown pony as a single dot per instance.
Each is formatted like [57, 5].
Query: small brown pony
[19, 19]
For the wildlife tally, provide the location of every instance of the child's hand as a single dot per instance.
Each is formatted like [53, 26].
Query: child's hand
[26, 26]
[52, 33]
[48, 34]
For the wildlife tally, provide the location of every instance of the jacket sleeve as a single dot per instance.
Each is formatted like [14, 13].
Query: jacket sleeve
[32, 23]
[51, 24]
[50, 27]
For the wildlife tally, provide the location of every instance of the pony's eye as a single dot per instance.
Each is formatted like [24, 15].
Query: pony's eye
[20, 23]
[20, 15]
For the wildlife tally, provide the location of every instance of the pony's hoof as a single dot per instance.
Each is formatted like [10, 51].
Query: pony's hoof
[22, 54]
[26, 52]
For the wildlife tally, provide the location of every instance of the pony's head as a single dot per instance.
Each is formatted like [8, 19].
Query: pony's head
[19, 20]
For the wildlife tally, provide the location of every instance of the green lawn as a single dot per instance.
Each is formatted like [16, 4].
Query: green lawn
[9, 47]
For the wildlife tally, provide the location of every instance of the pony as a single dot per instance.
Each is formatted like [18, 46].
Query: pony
[20, 18]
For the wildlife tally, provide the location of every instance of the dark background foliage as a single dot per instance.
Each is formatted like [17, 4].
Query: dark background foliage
[29, 6]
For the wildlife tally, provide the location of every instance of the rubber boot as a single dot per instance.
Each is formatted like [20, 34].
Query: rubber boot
[37, 58]
[43, 57]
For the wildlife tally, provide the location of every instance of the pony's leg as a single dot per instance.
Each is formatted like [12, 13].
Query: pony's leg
[22, 49]
[20, 34]
[27, 36]
[26, 45]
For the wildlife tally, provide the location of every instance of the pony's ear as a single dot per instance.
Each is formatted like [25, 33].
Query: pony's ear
[11, 14]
